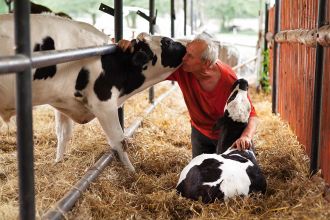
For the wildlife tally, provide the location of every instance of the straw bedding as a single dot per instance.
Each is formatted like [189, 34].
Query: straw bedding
[159, 150]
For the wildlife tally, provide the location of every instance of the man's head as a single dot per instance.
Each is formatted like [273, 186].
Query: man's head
[201, 53]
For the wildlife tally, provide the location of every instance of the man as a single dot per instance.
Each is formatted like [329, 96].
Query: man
[206, 84]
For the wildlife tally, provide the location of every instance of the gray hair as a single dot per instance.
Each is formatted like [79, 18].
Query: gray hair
[211, 52]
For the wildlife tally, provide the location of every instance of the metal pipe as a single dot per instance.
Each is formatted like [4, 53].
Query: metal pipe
[152, 31]
[118, 20]
[152, 16]
[130, 131]
[24, 113]
[67, 202]
[266, 24]
[16, 63]
[51, 57]
[192, 17]
[118, 5]
[172, 19]
[275, 60]
[245, 63]
[184, 17]
[317, 105]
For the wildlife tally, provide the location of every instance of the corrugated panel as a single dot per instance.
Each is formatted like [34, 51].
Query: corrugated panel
[296, 74]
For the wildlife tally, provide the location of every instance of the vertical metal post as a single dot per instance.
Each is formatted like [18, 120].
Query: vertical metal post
[172, 18]
[192, 16]
[24, 113]
[266, 24]
[275, 58]
[185, 17]
[152, 16]
[118, 5]
[317, 107]
[152, 31]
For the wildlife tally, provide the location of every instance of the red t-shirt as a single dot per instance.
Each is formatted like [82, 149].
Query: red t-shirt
[205, 108]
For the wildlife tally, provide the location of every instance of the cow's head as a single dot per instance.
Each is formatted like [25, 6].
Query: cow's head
[151, 60]
[157, 52]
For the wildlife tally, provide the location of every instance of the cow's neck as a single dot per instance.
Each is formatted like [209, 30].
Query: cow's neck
[150, 81]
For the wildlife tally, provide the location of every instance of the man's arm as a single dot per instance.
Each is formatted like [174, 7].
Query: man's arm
[245, 141]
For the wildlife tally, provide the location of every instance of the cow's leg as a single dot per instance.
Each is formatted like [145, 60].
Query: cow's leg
[64, 126]
[108, 118]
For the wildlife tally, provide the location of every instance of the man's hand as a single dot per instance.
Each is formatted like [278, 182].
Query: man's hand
[124, 44]
[243, 143]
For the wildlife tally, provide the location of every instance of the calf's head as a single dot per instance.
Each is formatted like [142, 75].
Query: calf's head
[236, 115]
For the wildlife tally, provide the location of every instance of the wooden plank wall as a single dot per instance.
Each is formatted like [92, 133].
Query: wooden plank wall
[325, 125]
[296, 73]
[296, 70]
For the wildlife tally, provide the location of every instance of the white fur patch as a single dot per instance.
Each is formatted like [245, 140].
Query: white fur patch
[239, 109]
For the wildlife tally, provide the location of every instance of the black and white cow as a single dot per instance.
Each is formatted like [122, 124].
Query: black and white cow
[92, 87]
[232, 173]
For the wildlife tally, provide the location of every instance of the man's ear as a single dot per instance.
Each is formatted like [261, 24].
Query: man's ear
[207, 63]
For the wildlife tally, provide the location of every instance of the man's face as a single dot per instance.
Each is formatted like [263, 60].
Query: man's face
[192, 61]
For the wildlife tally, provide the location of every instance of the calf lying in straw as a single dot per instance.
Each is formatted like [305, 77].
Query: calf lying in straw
[232, 173]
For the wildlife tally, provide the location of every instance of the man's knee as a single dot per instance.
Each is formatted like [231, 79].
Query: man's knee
[201, 144]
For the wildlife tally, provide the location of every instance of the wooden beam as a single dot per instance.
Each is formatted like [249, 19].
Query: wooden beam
[308, 37]
[324, 36]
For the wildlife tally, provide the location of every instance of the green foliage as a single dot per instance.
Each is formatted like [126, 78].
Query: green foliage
[226, 10]
[3, 7]
[92, 6]
[264, 80]
[74, 7]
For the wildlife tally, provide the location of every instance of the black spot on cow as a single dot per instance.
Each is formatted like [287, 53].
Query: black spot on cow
[258, 181]
[230, 131]
[192, 186]
[209, 170]
[122, 70]
[243, 84]
[78, 94]
[48, 71]
[237, 158]
[82, 79]
[172, 52]
[154, 60]
[232, 97]
[37, 47]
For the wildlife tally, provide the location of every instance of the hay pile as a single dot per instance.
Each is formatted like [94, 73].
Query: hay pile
[159, 151]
